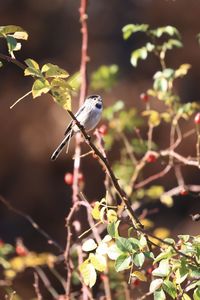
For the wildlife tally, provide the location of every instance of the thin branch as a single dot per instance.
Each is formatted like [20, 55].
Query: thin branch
[185, 160]
[114, 180]
[46, 282]
[153, 177]
[32, 222]
[36, 286]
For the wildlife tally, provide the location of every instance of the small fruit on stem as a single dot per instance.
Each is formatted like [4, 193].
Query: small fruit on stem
[103, 129]
[197, 118]
[68, 178]
[151, 156]
[144, 97]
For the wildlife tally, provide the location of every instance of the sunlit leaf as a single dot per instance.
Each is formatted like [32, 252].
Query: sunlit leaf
[89, 245]
[122, 262]
[40, 86]
[140, 275]
[159, 295]
[170, 288]
[88, 273]
[169, 30]
[167, 200]
[52, 70]
[113, 252]
[104, 77]
[163, 269]
[112, 229]
[111, 215]
[129, 29]
[139, 259]
[98, 261]
[96, 211]
[155, 284]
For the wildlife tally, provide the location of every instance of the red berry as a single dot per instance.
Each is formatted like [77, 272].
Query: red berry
[69, 178]
[21, 250]
[80, 177]
[136, 282]
[1, 243]
[183, 192]
[151, 157]
[197, 118]
[144, 97]
[103, 129]
[149, 271]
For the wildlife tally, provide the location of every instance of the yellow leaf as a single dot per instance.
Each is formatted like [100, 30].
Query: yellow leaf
[111, 215]
[88, 272]
[147, 223]
[186, 297]
[18, 263]
[167, 200]
[182, 70]
[10, 274]
[98, 261]
[140, 275]
[96, 211]
[161, 233]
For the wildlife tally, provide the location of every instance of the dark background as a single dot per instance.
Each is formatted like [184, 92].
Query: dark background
[30, 132]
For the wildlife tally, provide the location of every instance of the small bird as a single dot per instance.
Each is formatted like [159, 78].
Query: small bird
[89, 115]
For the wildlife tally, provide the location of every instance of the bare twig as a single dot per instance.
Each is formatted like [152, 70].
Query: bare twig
[46, 282]
[32, 222]
[36, 286]
[106, 165]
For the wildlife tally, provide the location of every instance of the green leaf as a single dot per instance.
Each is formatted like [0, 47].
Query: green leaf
[52, 70]
[169, 30]
[122, 262]
[155, 285]
[163, 270]
[159, 295]
[31, 63]
[155, 191]
[124, 244]
[89, 245]
[184, 237]
[181, 273]
[17, 32]
[113, 252]
[138, 54]
[170, 288]
[98, 261]
[163, 255]
[40, 86]
[129, 29]
[139, 259]
[74, 81]
[112, 229]
[104, 77]
[196, 294]
[88, 273]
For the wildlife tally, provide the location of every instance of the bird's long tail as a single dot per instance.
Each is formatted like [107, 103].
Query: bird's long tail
[58, 150]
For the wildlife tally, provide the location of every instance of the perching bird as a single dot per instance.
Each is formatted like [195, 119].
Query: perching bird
[89, 115]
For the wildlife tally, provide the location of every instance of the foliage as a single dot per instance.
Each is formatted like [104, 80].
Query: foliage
[124, 252]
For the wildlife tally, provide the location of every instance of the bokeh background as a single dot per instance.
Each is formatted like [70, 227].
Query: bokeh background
[30, 132]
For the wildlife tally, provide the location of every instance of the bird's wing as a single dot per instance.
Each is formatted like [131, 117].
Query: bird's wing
[81, 110]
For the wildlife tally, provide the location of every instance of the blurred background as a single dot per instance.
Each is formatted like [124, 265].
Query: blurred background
[30, 132]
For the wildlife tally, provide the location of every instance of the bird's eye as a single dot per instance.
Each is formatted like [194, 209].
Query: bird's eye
[98, 105]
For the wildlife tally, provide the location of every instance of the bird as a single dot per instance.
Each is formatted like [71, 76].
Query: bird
[88, 115]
